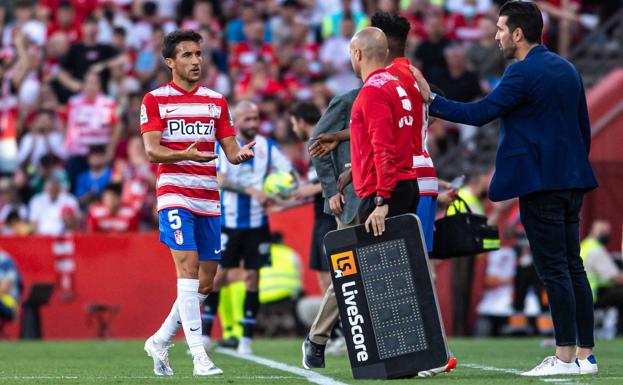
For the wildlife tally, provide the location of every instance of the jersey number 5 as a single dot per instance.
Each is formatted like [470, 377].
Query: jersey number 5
[174, 219]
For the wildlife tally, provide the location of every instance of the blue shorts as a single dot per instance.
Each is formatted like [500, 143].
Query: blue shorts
[180, 229]
[426, 211]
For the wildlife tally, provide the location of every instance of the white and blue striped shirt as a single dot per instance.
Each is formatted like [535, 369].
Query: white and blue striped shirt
[240, 211]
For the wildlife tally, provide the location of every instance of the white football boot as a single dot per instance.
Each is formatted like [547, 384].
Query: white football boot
[552, 366]
[203, 366]
[244, 346]
[160, 354]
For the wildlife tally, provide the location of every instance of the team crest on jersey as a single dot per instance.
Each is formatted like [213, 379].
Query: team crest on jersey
[144, 117]
[179, 237]
[214, 111]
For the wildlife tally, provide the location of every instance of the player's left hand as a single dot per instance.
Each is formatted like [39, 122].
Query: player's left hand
[246, 152]
[376, 220]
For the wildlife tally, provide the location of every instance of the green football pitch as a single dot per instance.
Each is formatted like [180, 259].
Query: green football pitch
[481, 362]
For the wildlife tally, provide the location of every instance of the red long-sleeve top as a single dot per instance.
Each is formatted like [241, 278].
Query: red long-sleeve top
[381, 136]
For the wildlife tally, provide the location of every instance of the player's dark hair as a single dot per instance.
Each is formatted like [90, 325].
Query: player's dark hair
[525, 15]
[115, 188]
[395, 27]
[307, 111]
[174, 38]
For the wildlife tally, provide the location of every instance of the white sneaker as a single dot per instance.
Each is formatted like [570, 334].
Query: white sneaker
[552, 366]
[203, 366]
[587, 366]
[244, 346]
[160, 354]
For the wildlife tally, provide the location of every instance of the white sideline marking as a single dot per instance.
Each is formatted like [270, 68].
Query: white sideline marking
[36, 378]
[308, 374]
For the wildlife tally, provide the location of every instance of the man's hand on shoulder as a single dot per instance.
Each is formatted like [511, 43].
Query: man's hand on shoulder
[421, 83]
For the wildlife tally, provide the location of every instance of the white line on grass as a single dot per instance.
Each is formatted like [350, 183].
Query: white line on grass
[308, 374]
[72, 378]
[562, 381]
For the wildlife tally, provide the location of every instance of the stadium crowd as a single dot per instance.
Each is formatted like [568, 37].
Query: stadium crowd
[73, 74]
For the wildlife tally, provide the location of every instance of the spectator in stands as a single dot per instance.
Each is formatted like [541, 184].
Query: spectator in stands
[25, 23]
[91, 183]
[212, 49]
[335, 58]
[298, 80]
[65, 23]
[41, 138]
[148, 20]
[332, 24]
[258, 84]
[247, 12]
[283, 24]
[298, 44]
[53, 211]
[463, 25]
[202, 17]
[80, 58]
[136, 176]
[13, 71]
[35, 179]
[10, 203]
[11, 287]
[110, 215]
[457, 81]
[91, 120]
[429, 55]
[253, 49]
[604, 274]
[149, 59]
[484, 56]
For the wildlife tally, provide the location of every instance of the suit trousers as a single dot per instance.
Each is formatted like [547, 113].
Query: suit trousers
[552, 223]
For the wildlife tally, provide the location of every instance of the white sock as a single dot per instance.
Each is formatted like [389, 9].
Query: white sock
[190, 314]
[169, 327]
[172, 323]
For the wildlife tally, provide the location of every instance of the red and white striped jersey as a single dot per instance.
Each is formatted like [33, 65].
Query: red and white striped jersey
[422, 162]
[89, 122]
[184, 117]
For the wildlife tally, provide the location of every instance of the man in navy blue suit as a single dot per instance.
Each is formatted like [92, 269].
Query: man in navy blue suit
[542, 158]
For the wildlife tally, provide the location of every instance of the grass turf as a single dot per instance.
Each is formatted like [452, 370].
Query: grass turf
[124, 362]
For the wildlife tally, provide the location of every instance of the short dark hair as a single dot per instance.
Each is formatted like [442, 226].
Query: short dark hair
[115, 188]
[118, 30]
[525, 15]
[174, 38]
[307, 111]
[98, 149]
[395, 27]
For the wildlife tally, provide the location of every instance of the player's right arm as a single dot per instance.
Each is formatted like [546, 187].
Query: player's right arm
[152, 127]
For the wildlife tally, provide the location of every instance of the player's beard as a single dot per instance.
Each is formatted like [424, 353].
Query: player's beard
[248, 133]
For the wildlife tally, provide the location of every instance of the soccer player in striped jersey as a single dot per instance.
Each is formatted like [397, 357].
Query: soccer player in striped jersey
[180, 123]
[245, 235]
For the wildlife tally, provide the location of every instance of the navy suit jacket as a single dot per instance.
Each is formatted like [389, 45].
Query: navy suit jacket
[545, 135]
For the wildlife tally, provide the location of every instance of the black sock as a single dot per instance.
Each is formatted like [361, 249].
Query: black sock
[209, 312]
[251, 307]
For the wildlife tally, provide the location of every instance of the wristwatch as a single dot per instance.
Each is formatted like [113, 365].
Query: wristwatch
[380, 201]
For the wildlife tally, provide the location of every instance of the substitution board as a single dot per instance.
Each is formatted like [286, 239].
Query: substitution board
[387, 302]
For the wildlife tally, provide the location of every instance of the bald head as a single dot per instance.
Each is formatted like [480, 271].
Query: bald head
[368, 50]
[247, 116]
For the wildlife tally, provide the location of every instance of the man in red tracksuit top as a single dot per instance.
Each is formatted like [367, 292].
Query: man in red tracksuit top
[381, 136]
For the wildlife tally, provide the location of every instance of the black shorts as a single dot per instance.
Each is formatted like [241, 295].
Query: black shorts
[404, 200]
[249, 245]
[317, 258]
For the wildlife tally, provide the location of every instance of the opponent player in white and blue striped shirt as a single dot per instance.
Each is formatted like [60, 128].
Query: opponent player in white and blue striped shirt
[245, 236]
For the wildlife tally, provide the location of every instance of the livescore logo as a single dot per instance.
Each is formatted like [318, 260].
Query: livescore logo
[343, 264]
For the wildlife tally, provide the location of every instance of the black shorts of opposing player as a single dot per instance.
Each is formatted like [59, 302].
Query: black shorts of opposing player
[249, 245]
